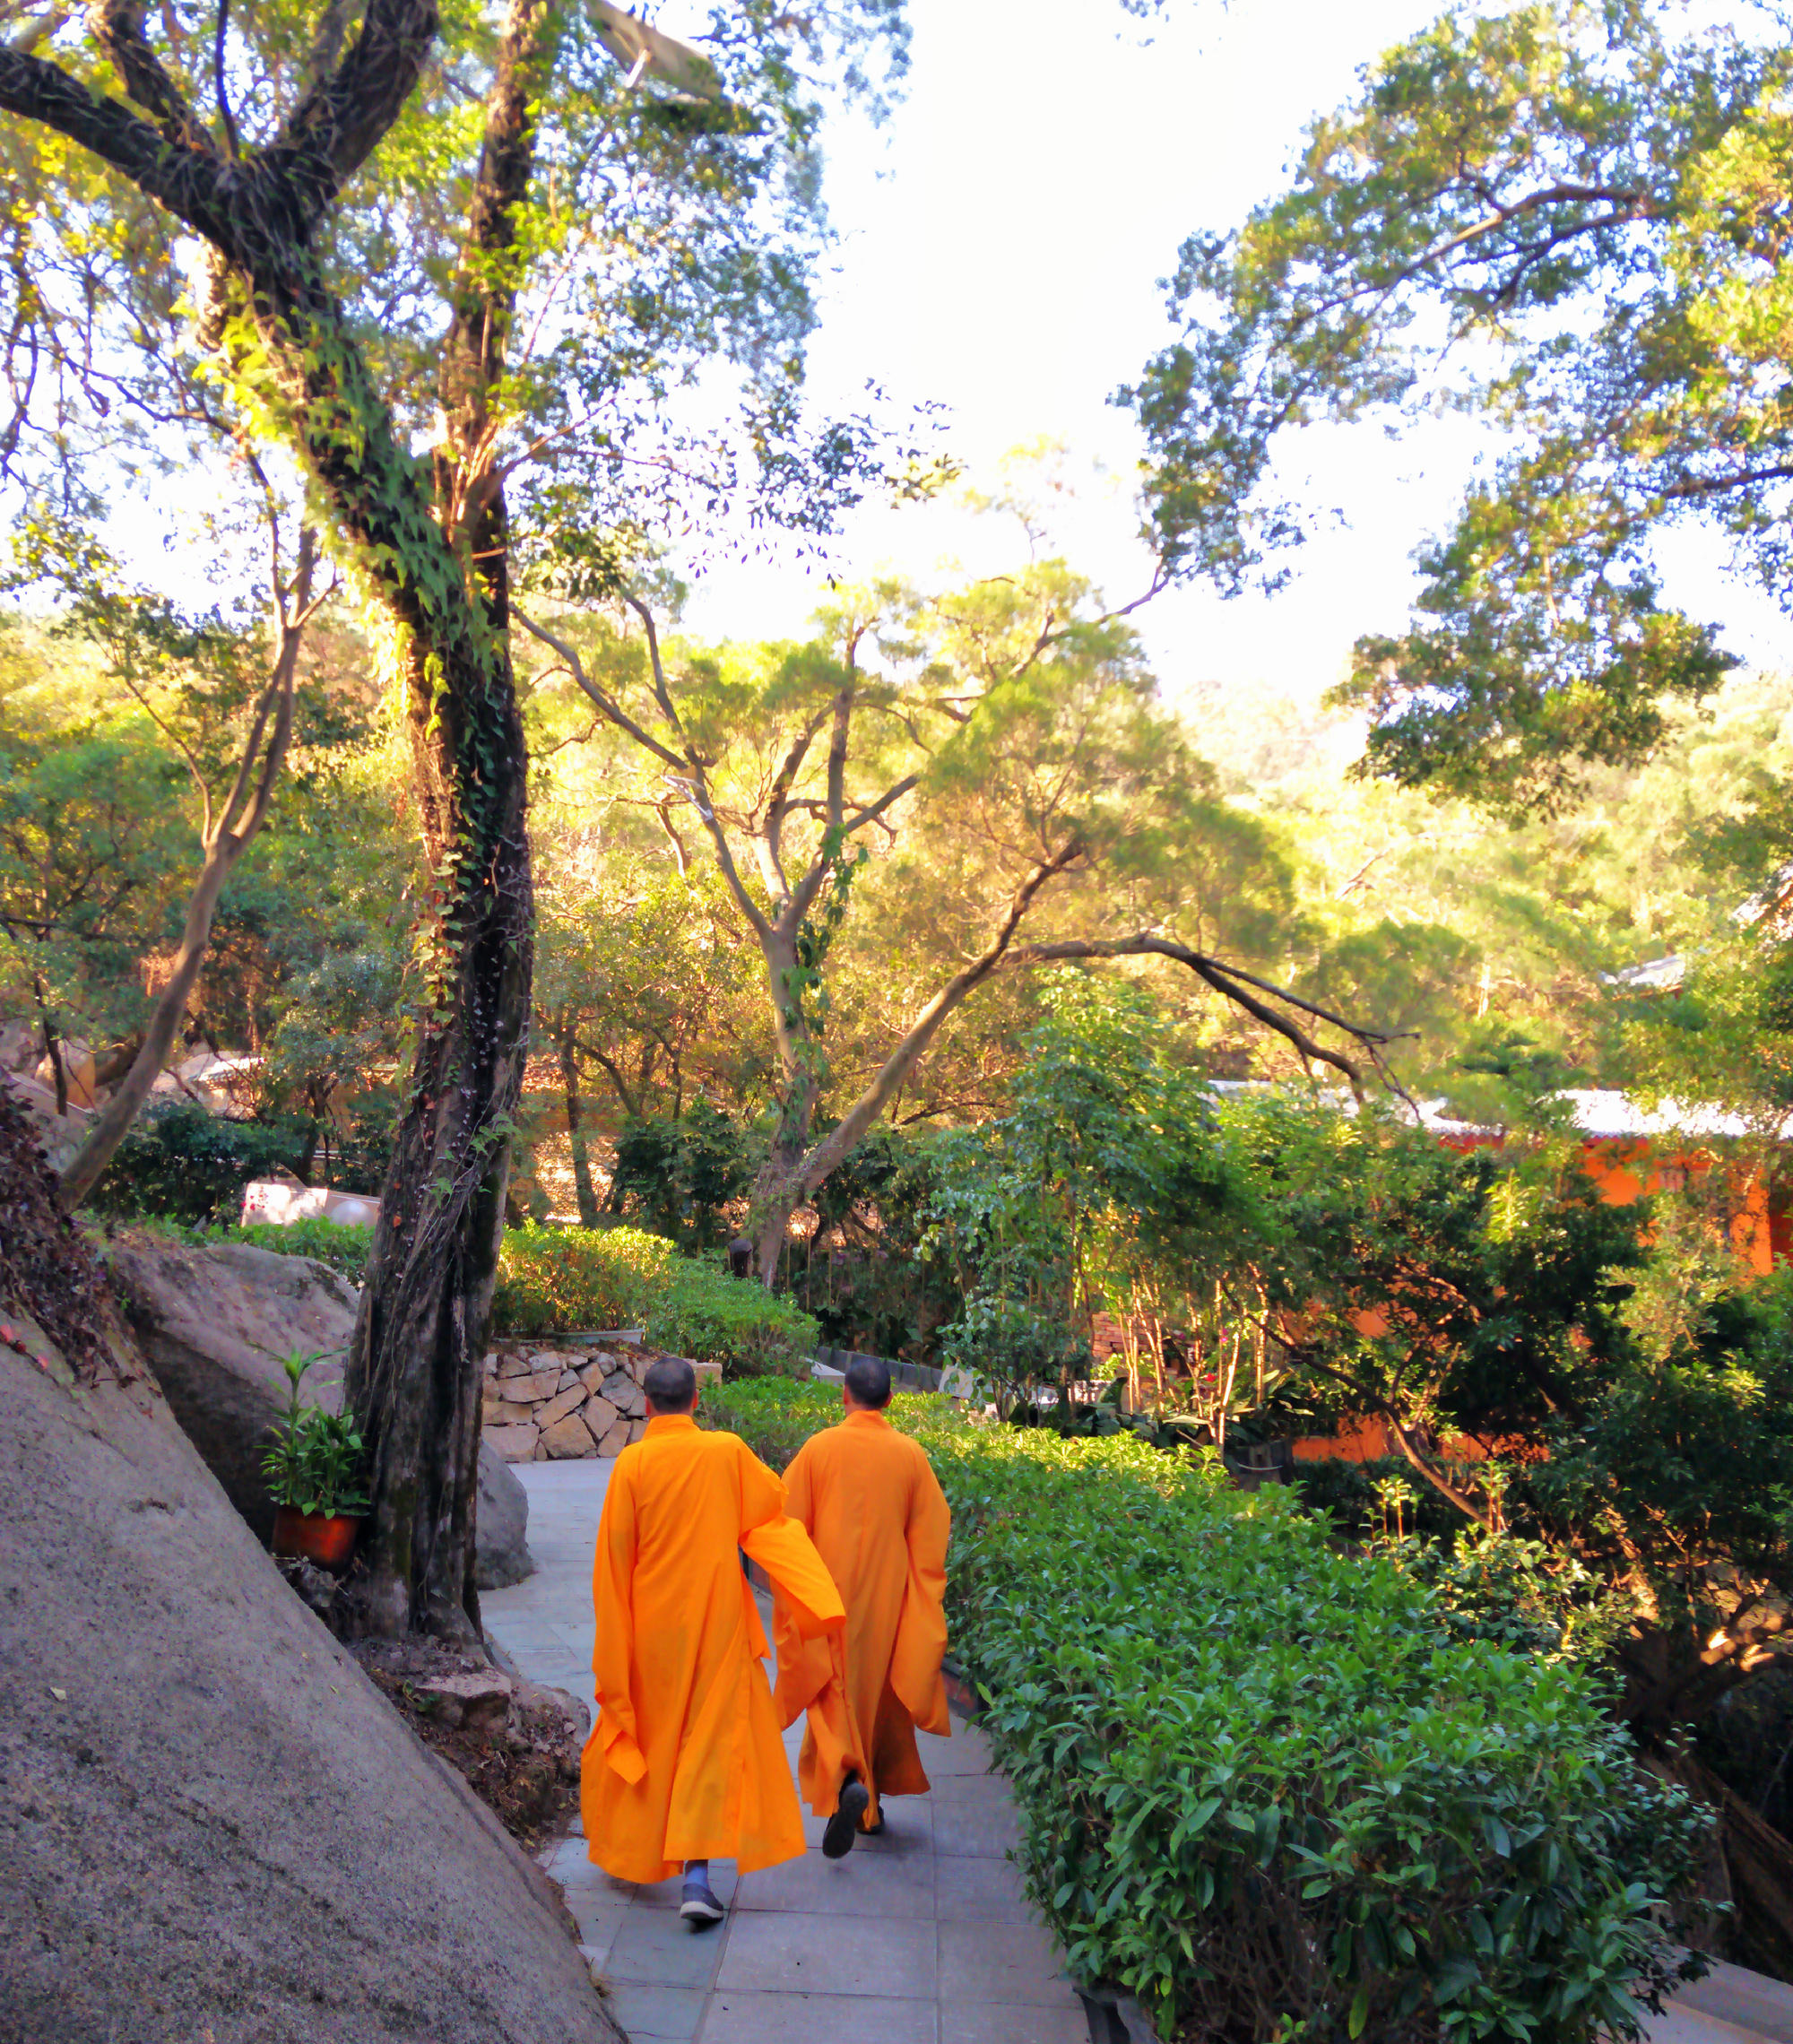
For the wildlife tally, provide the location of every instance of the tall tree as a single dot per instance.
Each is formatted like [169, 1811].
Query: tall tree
[1019, 720]
[492, 241]
[1568, 219]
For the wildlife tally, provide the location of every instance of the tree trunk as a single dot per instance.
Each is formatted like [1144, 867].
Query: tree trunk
[583, 1190]
[780, 1190]
[415, 1361]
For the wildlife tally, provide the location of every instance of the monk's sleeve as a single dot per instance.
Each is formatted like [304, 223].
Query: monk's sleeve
[921, 1631]
[612, 1567]
[808, 1660]
[784, 1550]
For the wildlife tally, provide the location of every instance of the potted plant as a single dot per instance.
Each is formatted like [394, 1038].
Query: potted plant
[314, 1470]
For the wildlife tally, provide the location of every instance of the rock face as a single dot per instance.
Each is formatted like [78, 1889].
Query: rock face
[216, 1325]
[212, 1826]
[501, 1553]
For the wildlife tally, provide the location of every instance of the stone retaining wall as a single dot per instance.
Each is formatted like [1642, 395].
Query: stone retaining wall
[556, 1398]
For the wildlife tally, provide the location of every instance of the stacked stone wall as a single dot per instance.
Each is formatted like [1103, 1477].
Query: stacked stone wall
[562, 1397]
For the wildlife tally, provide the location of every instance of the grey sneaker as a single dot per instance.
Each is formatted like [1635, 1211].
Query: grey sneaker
[843, 1825]
[699, 1907]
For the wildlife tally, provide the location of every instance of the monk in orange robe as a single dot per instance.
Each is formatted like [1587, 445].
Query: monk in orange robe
[685, 1762]
[874, 1508]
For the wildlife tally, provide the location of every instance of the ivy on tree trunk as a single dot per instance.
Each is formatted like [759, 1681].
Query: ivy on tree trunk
[421, 1338]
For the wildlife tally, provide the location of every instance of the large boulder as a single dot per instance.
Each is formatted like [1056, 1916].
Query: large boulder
[216, 1325]
[212, 1826]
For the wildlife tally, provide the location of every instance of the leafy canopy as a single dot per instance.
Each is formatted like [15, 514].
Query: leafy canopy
[1566, 219]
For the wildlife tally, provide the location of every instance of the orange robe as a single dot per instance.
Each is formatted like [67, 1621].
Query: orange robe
[875, 1509]
[685, 1761]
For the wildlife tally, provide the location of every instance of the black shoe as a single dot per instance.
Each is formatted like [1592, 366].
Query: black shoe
[843, 1825]
[874, 1830]
[699, 1907]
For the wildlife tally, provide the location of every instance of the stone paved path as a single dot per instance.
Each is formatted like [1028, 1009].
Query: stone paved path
[921, 1936]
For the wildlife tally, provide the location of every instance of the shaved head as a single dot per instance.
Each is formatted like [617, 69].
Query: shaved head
[671, 1384]
[869, 1382]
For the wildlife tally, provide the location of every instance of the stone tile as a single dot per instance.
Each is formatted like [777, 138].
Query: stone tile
[510, 1442]
[1002, 1963]
[566, 1399]
[982, 1827]
[1016, 2023]
[864, 1883]
[737, 2017]
[656, 1948]
[851, 1956]
[599, 1917]
[670, 2013]
[524, 1631]
[571, 1864]
[969, 1890]
[967, 1751]
[981, 1791]
[1750, 2001]
[526, 1390]
[1679, 2025]
[908, 1826]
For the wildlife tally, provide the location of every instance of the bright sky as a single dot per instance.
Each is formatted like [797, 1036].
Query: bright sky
[1003, 238]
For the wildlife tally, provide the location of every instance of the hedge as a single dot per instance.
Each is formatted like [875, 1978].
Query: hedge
[344, 1248]
[1261, 1788]
[560, 1280]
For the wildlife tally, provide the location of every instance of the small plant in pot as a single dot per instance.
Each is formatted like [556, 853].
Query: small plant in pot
[314, 1470]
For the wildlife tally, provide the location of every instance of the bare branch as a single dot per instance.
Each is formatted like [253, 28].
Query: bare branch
[604, 701]
[872, 811]
[840, 1140]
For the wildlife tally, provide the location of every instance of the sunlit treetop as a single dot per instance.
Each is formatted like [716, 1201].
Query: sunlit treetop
[1570, 220]
[671, 220]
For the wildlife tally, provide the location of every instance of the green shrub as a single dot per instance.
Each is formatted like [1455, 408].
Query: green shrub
[1348, 1491]
[1262, 1786]
[775, 1417]
[679, 1173]
[184, 1163]
[561, 1280]
[343, 1248]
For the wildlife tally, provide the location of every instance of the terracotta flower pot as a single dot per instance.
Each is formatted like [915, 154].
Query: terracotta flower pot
[319, 1537]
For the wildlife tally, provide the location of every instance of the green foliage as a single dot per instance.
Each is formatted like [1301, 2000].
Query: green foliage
[865, 1275]
[1103, 1179]
[1524, 1594]
[183, 1162]
[315, 1462]
[1352, 1496]
[1561, 216]
[346, 1250]
[675, 1174]
[1686, 1455]
[775, 1416]
[562, 1280]
[1232, 1745]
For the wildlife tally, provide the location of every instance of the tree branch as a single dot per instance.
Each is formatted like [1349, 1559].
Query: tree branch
[118, 27]
[606, 703]
[840, 1140]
